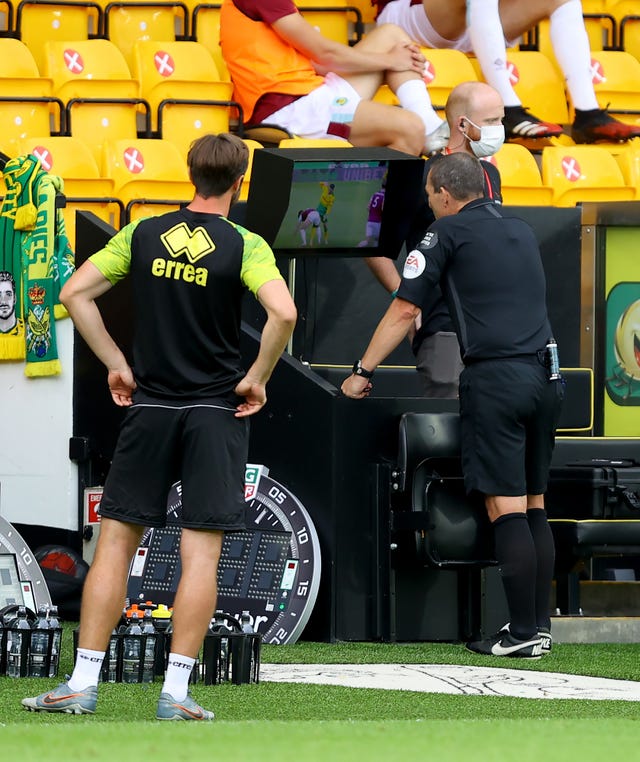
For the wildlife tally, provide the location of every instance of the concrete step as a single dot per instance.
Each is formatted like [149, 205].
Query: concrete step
[605, 598]
[585, 629]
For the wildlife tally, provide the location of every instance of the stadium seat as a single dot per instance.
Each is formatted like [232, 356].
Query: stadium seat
[296, 142]
[150, 175]
[178, 71]
[94, 120]
[520, 177]
[616, 81]
[334, 19]
[41, 21]
[629, 162]
[627, 16]
[583, 173]
[127, 22]
[205, 28]
[22, 118]
[184, 121]
[252, 145]
[367, 10]
[538, 85]
[84, 188]
[19, 74]
[88, 69]
[444, 70]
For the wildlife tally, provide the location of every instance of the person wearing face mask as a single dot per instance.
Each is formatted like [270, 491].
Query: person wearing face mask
[487, 28]
[474, 113]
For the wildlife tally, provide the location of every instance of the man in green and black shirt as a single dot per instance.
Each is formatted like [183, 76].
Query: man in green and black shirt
[188, 399]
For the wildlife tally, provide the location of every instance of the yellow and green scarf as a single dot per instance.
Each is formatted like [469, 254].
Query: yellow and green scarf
[34, 248]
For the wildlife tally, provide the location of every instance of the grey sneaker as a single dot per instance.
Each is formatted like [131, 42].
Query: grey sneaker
[435, 141]
[504, 644]
[170, 709]
[63, 699]
[546, 639]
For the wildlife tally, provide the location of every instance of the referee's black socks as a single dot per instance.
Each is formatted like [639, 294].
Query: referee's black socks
[516, 555]
[545, 556]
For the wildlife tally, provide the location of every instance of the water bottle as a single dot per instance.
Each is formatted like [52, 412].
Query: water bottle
[218, 626]
[39, 650]
[132, 654]
[56, 640]
[112, 658]
[554, 363]
[149, 658]
[17, 650]
[245, 622]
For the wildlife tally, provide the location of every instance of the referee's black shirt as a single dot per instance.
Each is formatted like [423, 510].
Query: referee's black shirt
[491, 274]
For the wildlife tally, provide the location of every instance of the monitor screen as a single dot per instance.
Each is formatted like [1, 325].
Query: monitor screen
[326, 201]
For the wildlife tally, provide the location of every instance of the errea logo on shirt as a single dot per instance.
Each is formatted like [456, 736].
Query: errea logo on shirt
[414, 265]
[194, 245]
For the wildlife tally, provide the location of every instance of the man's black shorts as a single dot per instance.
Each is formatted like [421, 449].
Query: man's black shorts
[509, 411]
[202, 445]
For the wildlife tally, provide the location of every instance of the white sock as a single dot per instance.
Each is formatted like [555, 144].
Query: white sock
[86, 672]
[176, 679]
[487, 38]
[413, 96]
[572, 51]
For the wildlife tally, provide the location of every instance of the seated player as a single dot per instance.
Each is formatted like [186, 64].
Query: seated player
[374, 218]
[486, 27]
[285, 72]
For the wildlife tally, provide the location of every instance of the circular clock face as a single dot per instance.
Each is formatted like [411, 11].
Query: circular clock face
[270, 569]
[30, 588]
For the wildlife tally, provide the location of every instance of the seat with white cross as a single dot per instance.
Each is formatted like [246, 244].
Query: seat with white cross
[150, 175]
[583, 173]
[616, 81]
[180, 73]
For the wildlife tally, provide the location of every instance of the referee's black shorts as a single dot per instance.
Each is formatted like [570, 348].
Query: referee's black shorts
[509, 411]
[203, 445]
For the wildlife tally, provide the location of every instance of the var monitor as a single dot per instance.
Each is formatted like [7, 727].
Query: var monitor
[333, 201]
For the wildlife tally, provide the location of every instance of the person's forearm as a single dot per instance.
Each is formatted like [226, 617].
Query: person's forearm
[385, 271]
[89, 324]
[391, 330]
[275, 335]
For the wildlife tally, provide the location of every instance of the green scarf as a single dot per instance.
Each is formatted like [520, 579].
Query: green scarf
[36, 251]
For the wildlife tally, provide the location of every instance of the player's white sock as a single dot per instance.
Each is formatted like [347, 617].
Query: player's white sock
[487, 38]
[86, 672]
[176, 679]
[413, 96]
[573, 52]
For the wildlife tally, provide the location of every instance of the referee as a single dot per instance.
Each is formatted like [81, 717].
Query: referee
[491, 274]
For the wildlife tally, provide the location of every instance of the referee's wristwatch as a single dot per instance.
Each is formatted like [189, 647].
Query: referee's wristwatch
[358, 370]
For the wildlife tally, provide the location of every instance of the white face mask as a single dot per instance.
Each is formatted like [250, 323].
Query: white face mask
[491, 139]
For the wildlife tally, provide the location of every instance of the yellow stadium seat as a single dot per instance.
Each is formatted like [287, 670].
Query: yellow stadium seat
[84, 188]
[520, 177]
[150, 175]
[96, 120]
[19, 74]
[629, 162]
[179, 71]
[627, 16]
[244, 189]
[182, 122]
[21, 118]
[127, 22]
[88, 69]
[583, 173]
[444, 69]
[616, 81]
[334, 19]
[368, 10]
[42, 21]
[205, 28]
[538, 85]
[296, 142]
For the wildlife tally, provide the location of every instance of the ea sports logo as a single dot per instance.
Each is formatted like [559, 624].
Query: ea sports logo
[414, 265]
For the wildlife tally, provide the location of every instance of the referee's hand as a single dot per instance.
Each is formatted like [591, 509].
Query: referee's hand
[255, 397]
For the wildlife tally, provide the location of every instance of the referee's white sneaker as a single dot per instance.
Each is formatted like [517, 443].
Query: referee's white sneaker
[504, 644]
